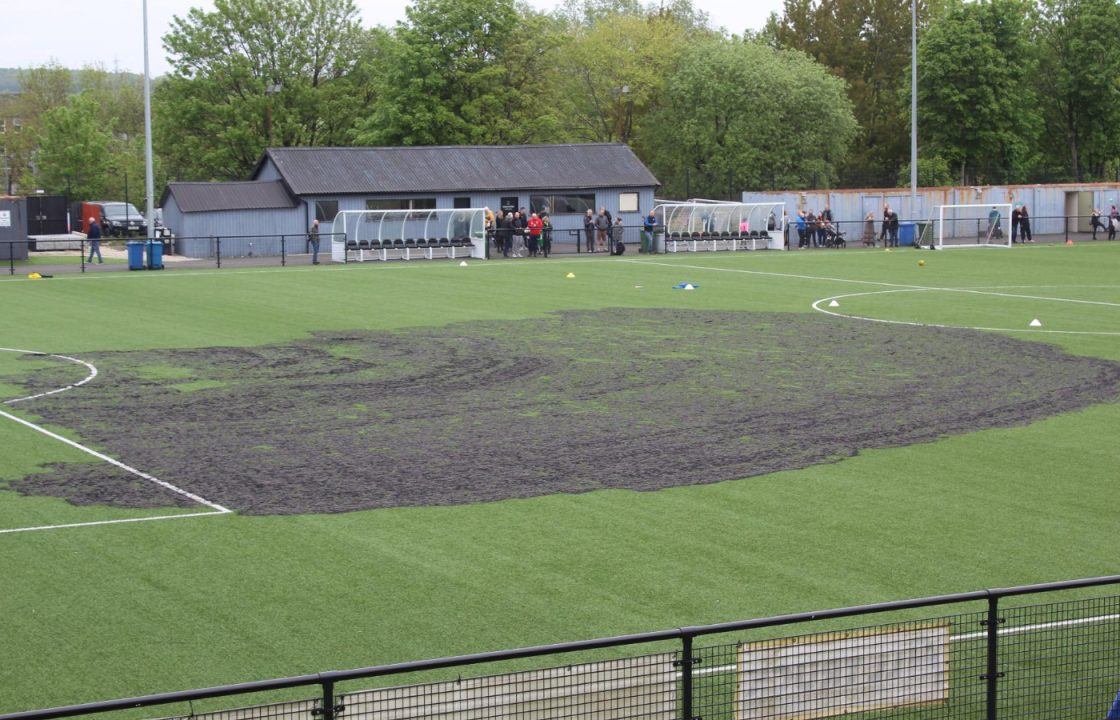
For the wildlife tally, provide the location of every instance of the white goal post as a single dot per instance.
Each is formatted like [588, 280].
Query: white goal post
[979, 225]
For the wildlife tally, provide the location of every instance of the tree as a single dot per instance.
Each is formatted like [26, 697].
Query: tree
[74, 150]
[867, 43]
[42, 89]
[740, 115]
[254, 73]
[462, 72]
[976, 102]
[1079, 74]
[612, 70]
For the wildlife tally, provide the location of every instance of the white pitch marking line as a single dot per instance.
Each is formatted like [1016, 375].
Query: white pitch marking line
[114, 522]
[83, 381]
[216, 509]
[127, 468]
[967, 636]
[817, 306]
[977, 291]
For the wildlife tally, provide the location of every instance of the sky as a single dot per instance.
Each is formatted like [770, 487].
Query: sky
[110, 32]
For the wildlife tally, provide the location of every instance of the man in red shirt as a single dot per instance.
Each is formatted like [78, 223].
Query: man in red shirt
[535, 227]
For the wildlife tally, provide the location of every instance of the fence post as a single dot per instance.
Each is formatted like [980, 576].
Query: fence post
[992, 674]
[1065, 221]
[218, 245]
[82, 247]
[328, 700]
[11, 258]
[686, 678]
[283, 253]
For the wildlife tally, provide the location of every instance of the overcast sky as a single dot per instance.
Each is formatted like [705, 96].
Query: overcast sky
[110, 32]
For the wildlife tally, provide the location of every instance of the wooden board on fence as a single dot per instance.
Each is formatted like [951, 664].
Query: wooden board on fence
[643, 688]
[818, 676]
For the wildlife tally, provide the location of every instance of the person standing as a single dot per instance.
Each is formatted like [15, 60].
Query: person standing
[535, 227]
[589, 230]
[618, 246]
[1016, 218]
[507, 234]
[546, 234]
[602, 227]
[1095, 221]
[649, 227]
[869, 230]
[892, 227]
[811, 228]
[313, 241]
[802, 226]
[1024, 226]
[93, 234]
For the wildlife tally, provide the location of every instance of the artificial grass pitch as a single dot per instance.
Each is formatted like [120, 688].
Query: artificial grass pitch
[194, 602]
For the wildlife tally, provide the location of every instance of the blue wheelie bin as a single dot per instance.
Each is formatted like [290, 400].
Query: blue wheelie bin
[906, 233]
[135, 255]
[155, 255]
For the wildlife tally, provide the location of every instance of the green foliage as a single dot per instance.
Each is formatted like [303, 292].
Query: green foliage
[976, 105]
[742, 115]
[1079, 75]
[867, 43]
[932, 172]
[253, 73]
[74, 150]
[613, 69]
[462, 72]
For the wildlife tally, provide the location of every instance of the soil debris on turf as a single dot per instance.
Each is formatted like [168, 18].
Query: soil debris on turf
[571, 402]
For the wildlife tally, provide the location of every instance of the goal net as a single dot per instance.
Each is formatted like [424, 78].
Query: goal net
[977, 225]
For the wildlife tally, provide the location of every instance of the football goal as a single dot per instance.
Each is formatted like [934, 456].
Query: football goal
[959, 226]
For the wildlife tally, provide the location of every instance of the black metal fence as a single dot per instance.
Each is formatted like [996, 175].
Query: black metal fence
[280, 249]
[991, 658]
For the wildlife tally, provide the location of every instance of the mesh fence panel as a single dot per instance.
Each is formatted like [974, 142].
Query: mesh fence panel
[297, 710]
[1060, 660]
[922, 669]
[639, 688]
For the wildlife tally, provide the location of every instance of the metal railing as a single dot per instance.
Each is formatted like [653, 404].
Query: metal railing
[1054, 660]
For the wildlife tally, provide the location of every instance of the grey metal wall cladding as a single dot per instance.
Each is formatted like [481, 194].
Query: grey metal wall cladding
[195, 230]
[15, 231]
[1047, 203]
[326, 171]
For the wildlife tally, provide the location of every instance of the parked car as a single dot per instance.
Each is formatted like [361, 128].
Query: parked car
[118, 219]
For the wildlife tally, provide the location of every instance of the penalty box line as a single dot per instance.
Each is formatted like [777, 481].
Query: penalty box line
[215, 508]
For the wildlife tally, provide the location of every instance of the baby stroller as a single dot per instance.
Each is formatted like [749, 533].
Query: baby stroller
[833, 238]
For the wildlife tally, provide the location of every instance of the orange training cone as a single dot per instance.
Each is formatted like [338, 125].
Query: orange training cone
[1069, 241]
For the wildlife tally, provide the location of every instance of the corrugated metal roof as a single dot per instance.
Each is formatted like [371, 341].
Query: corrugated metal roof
[335, 171]
[210, 196]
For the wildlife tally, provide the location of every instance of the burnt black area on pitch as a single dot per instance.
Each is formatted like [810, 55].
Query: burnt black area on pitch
[572, 402]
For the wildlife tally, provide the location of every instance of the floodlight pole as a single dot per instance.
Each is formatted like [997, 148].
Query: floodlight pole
[149, 179]
[913, 108]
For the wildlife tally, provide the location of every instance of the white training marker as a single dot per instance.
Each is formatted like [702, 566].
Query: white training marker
[1036, 323]
[688, 286]
[463, 263]
[834, 304]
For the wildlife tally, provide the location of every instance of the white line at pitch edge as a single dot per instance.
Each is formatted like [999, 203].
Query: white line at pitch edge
[115, 522]
[967, 636]
[127, 468]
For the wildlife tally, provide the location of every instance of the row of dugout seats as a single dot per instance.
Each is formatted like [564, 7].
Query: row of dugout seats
[694, 242]
[405, 247]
